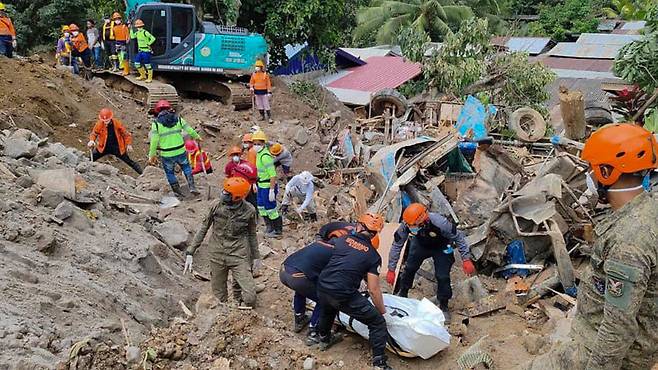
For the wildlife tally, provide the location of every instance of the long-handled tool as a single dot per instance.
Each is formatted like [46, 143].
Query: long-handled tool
[205, 173]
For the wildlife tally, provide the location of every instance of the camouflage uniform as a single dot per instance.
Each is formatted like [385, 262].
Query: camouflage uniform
[616, 323]
[233, 246]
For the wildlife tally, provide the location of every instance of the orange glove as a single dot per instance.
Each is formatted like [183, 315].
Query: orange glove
[390, 277]
[469, 268]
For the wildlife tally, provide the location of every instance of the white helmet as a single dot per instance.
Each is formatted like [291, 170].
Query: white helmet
[306, 177]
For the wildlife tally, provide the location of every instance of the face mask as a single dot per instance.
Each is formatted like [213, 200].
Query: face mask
[258, 147]
[227, 198]
[66, 34]
[258, 69]
[414, 230]
[245, 145]
[236, 158]
[592, 185]
[76, 33]
[118, 21]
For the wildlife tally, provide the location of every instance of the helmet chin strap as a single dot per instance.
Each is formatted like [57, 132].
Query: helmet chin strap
[625, 189]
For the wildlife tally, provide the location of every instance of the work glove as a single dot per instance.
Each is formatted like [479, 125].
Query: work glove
[251, 89]
[390, 277]
[257, 265]
[153, 161]
[14, 44]
[188, 264]
[284, 209]
[254, 188]
[102, 46]
[272, 196]
[91, 144]
[129, 148]
[269, 95]
[469, 268]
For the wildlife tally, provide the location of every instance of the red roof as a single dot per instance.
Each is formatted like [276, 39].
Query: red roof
[379, 73]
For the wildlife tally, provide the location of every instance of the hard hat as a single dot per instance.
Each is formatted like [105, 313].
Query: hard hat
[306, 177]
[139, 23]
[259, 136]
[74, 27]
[116, 15]
[259, 63]
[234, 150]
[276, 148]
[415, 215]
[247, 169]
[105, 114]
[2, 6]
[622, 148]
[372, 222]
[237, 187]
[247, 138]
[161, 105]
[65, 28]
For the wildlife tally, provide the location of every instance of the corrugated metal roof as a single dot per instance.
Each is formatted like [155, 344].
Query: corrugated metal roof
[593, 46]
[530, 45]
[375, 51]
[606, 39]
[592, 65]
[353, 97]
[607, 25]
[379, 73]
[633, 25]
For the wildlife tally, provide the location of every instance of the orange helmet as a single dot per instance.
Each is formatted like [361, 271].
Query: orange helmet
[234, 150]
[276, 148]
[116, 15]
[105, 114]
[415, 215]
[247, 138]
[139, 23]
[74, 27]
[237, 187]
[372, 221]
[622, 148]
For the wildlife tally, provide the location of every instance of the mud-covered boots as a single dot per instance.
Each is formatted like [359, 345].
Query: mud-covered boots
[379, 363]
[312, 338]
[176, 189]
[268, 116]
[301, 320]
[190, 184]
[149, 76]
[328, 341]
[443, 305]
[269, 227]
[262, 114]
[126, 68]
[142, 73]
[278, 226]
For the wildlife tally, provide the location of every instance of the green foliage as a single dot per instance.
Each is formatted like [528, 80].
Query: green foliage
[628, 9]
[412, 88]
[558, 21]
[525, 82]
[413, 43]
[311, 93]
[637, 62]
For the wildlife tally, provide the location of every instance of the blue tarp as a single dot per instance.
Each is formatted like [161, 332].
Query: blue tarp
[515, 254]
[471, 121]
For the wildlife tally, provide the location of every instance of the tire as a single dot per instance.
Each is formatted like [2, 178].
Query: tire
[389, 97]
[528, 124]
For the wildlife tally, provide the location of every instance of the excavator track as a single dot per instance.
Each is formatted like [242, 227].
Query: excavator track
[147, 93]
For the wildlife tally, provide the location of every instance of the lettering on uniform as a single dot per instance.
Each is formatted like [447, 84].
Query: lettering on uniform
[432, 234]
[599, 285]
[615, 287]
[356, 245]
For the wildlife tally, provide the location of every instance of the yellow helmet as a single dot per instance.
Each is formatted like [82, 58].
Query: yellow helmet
[259, 135]
[65, 28]
[259, 63]
[2, 6]
[276, 149]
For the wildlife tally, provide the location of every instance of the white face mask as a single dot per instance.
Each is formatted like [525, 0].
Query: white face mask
[258, 147]
[66, 34]
[593, 187]
[76, 33]
[118, 21]
[236, 158]
[258, 69]
[245, 145]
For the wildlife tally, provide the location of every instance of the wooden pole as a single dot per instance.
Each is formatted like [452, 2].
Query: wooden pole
[572, 107]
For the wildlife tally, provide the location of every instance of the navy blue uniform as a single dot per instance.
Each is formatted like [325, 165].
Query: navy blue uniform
[338, 289]
[334, 230]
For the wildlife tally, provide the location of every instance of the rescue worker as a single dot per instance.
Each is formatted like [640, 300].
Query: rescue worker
[94, 43]
[7, 33]
[282, 158]
[107, 42]
[79, 47]
[267, 186]
[261, 87]
[354, 258]
[110, 136]
[143, 57]
[238, 167]
[121, 38]
[616, 321]
[301, 188]
[167, 138]
[63, 51]
[430, 236]
[233, 241]
[334, 230]
[248, 150]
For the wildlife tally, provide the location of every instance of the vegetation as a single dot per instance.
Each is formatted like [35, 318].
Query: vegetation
[311, 93]
[628, 9]
[561, 20]
[413, 43]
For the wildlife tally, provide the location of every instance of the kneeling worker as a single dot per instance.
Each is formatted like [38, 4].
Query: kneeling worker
[431, 235]
[233, 241]
[110, 136]
[301, 187]
[355, 258]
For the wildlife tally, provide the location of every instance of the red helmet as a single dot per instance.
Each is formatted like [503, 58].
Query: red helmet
[191, 146]
[161, 105]
[105, 114]
[247, 169]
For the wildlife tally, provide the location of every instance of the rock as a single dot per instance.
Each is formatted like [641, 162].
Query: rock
[22, 133]
[301, 137]
[252, 364]
[535, 344]
[290, 122]
[50, 198]
[133, 354]
[20, 148]
[83, 167]
[105, 169]
[63, 153]
[309, 363]
[46, 241]
[264, 250]
[172, 233]
[61, 181]
[25, 276]
[79, 221]
[64, 210]
[24, 181]
[341, 363]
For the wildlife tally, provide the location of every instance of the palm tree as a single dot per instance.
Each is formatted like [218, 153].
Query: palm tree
[384, 18]
[628, 9]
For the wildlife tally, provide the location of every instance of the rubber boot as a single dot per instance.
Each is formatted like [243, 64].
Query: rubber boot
[268, 114]
[115, 65]
[149, 76]
[176, 189]
[379, 363]
[312, 338]
[443, 305]
[268, 225]
[301, 320]
[262, 114]
[126, 68]
[190, 184]
[329, 340]
[142, 73]
[278, 226]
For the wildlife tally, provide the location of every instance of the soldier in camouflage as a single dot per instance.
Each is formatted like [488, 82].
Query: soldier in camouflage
[616, 323]
[233, 241]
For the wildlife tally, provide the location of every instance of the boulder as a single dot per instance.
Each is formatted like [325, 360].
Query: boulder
[20, 148]
[64, 210]
[24, 181]
[60, 181]
[105, 169]
[65, 154]
[301, 137]
[50, 198]
[22, 133]
[172, 233]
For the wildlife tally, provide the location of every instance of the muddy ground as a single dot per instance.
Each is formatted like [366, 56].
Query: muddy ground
[105, 265]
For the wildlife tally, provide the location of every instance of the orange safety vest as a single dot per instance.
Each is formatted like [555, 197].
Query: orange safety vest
[261, 81]
[121, 32]
[7, 27]
[80, 43]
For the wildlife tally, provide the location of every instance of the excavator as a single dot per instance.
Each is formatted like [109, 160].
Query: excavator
[190, 55]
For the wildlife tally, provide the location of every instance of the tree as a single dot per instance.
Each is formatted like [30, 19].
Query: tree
[561, 20]
[637, 62]
[384, 18]
[628, 9]
[413, 43]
